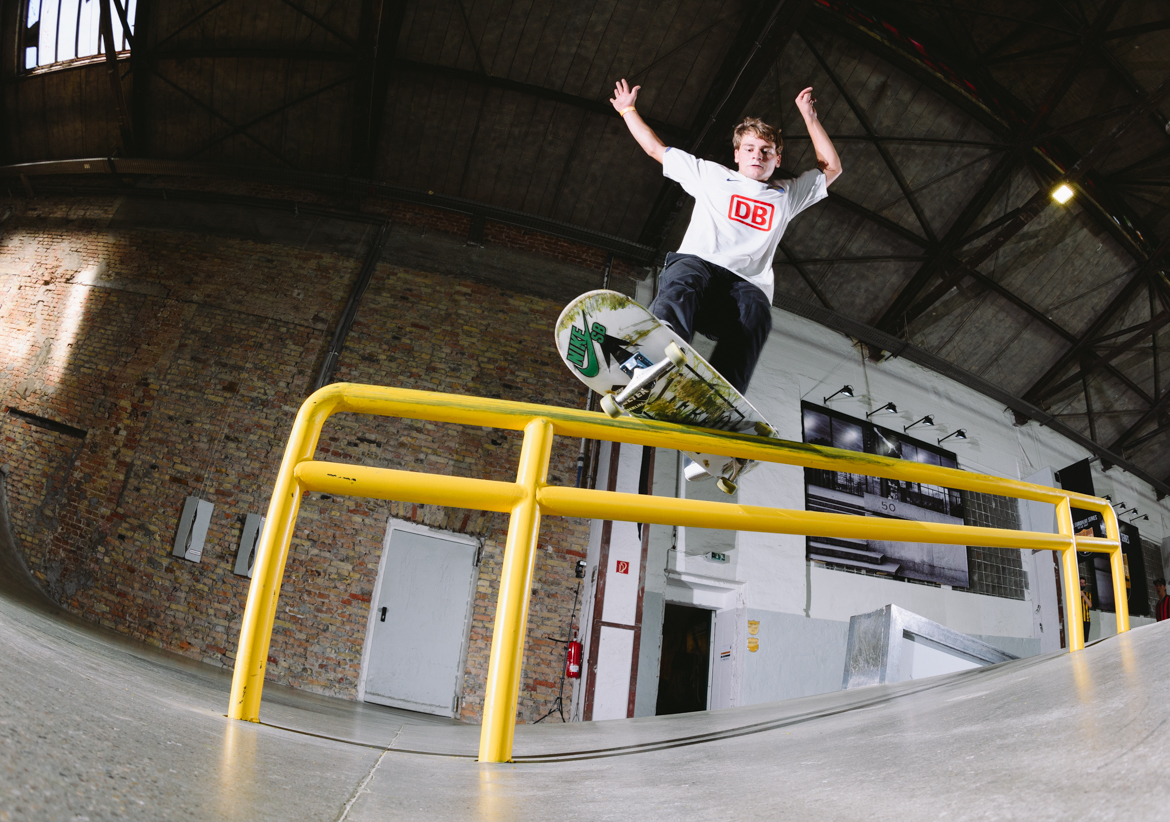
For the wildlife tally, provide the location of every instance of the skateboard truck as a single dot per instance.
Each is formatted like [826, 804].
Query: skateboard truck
[612, 404]
[696, 471]
[727, 484]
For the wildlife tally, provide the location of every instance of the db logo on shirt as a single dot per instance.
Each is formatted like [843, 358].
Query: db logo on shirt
[751, 212]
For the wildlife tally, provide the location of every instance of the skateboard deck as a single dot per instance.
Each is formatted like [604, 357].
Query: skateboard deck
[607, 340]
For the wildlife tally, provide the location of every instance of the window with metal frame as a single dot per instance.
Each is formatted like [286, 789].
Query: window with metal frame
[62, 31]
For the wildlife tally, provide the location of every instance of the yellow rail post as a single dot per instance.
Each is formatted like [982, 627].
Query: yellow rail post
[271, 554]
[1072, 577]
[1117, 565]
[502, 694]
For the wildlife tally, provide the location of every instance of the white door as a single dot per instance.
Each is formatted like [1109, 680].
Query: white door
[414, 654]
[723, 649]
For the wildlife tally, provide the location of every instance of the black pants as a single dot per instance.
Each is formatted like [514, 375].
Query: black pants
[695, 296]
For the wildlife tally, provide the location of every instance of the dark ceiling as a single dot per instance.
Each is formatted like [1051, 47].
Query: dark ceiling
[953, 119]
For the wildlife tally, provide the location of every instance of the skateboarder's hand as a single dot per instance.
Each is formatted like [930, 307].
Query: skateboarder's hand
[623, 95]
[807, 104]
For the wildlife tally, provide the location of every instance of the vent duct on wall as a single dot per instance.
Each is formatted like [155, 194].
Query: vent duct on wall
[192, 531]
[249, 542]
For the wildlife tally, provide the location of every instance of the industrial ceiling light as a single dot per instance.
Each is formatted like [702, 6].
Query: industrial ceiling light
[846, 390]
[1062, 193]
[961, 434]
[889, 406]
[927, 420]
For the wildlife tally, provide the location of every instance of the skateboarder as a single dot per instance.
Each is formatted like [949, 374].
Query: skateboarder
[719, 283]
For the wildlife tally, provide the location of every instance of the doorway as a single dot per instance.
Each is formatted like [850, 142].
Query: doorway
[417, 639]
[684, 670]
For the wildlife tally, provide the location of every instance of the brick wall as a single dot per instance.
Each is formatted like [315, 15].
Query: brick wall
[182, 358]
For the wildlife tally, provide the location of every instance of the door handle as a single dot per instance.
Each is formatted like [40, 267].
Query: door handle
[383, 618]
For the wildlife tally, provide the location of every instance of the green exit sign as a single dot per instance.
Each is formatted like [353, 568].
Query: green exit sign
[716, 557]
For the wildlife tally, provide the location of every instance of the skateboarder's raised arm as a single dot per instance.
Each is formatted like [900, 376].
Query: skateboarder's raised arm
[623, 100]
[827, 159]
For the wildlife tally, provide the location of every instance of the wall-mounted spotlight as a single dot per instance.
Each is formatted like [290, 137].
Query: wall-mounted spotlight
[961, 434]
[889, 406]
[1106, 496]
[1139, 519]
[1062, 193]
[927, 420]
[846, 390]
[1123, 509]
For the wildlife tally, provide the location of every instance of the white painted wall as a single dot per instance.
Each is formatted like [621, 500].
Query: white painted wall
[803, 608]
[805, 361]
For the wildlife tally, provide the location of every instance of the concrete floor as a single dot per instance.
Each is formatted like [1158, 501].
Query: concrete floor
[94, 726]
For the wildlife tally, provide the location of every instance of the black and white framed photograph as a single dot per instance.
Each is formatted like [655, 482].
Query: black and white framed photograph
[838, 492]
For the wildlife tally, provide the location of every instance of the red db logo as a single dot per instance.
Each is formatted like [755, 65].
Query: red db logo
[751, 212]
[623, 567]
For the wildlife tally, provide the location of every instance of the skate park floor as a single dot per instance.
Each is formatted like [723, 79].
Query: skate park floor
[95, 726]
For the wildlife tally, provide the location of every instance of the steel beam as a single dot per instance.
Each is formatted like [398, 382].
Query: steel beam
[602, 107]
[887, 158]
[1034, 207]
[140, 70]
[243, 127]
[992, 120]
[259, 53]
[183, 27]
[211, 110]
[349, 313]
[763, 35]
[882, 138]
[347, 188]
[1019, 31]
[897, 229]
[317, 21]
[126, 27]
[1144, 438]
[1150, 414]
[125, 126]
[1141, 276]
[1093, 360]
[381, 27]
[805, 275]
[1088, 405]
[892, 319]
[1134, 31]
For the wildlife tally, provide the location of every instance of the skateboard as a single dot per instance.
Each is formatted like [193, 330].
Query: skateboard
[641, 367]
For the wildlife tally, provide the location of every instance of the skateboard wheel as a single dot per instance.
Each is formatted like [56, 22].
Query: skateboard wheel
[725, 485]
[610, 407]
[675, 354]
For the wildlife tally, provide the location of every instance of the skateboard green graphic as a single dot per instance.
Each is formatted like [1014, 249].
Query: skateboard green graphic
[640, 366]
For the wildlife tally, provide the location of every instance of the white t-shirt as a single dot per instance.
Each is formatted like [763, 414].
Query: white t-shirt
[738, 222]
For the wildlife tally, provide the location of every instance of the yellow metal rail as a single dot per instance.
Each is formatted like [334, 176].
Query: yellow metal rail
[530, 497]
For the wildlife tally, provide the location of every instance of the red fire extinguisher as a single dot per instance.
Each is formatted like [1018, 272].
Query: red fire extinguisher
[573, 659]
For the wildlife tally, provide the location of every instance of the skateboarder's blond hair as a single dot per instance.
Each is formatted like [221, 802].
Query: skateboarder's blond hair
[756, 126]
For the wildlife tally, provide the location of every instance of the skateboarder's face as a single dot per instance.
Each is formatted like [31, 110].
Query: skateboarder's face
[756, 157]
